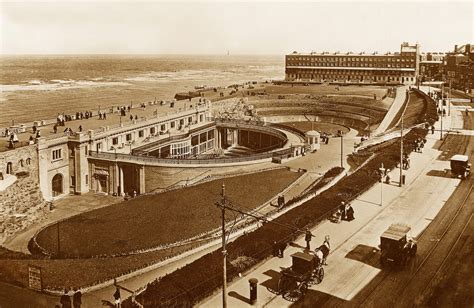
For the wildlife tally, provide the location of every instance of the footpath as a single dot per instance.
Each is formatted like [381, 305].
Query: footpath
[393, 111]
[427, 188]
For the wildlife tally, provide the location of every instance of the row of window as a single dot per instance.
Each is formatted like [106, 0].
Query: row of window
[141, 133]
[346, 72]
[57, 154]
[349, 59]
[349, 78]
[350, 64]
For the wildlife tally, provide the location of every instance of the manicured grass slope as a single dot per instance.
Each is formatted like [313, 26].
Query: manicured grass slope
[152, 220]
[329, 128]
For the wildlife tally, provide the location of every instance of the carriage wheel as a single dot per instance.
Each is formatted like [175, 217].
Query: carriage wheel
[303, 289]
[283, 285]
[320, 274]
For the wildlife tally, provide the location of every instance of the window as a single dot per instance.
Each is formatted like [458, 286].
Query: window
[128, 137]
[201, 117]
[21, 162]
[141, 133]
[87, 179]
[57, 154]
[163, 127]
[173, 124]
[115, 140]
[190, 119]
[152, 130]
[28, 161]
[98, 146]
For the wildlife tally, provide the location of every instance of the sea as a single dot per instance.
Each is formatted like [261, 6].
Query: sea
[39, 87]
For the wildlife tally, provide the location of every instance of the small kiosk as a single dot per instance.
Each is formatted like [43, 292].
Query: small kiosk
[312, 138]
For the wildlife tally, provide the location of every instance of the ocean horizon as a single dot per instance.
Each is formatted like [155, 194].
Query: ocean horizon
[41, 86]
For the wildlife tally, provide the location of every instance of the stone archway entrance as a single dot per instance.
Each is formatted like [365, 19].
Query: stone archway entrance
[57, 185]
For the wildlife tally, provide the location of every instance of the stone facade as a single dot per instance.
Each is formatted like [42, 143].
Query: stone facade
[21, 203]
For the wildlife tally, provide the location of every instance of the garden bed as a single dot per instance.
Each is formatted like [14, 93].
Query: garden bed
[305, 126]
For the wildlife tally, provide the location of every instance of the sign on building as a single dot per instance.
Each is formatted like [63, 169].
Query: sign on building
[34, 278]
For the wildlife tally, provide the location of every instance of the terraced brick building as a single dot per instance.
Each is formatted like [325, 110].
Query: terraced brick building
[394, 68]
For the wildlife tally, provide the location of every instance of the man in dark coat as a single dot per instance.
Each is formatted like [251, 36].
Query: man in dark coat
[65, 299]
[307, 238]
[77, 299]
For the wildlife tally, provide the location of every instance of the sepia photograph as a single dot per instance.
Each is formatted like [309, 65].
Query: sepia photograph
[210, 154]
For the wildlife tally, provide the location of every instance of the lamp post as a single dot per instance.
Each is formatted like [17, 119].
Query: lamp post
[382, 173]
[449, 99]
[441, 117]
[342, 148]
[222, 205]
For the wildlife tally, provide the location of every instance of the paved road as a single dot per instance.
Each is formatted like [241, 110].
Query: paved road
[354, 276]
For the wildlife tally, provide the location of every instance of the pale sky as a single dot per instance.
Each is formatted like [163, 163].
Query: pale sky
[134, 27]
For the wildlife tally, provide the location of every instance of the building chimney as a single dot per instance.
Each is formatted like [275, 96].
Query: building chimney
[455, 48]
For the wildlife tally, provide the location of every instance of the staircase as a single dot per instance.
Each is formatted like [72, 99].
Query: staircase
[238, 151]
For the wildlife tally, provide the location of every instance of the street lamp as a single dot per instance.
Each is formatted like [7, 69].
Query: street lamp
[382, 173]
[222, 205]
[342, 148]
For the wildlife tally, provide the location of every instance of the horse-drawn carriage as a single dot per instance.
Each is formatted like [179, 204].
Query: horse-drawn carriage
[306, 269]
[396, 247]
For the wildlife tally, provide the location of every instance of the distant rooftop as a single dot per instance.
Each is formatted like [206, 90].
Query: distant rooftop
[405, 47]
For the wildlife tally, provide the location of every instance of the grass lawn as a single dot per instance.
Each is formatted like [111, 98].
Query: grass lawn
[319, 126]
[60, 273]
[152, 220]
[415, 107]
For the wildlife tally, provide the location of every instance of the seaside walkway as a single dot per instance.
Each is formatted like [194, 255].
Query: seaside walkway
[393, 111]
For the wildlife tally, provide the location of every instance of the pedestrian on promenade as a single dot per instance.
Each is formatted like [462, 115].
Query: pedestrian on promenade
[432, 129]
[349, 213]
[104, 116]
[131, 118]
[117, 298]
[77, 299]
[342, 208]
[80, 128]
[65, 299]
[307, 238]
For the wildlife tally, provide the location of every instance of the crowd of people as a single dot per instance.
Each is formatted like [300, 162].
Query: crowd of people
[419, 145]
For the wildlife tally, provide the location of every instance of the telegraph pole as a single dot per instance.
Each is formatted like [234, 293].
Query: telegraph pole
[441, 115]
[224, 251]
[382, 173]
[401, 153]
[449, 101]
[342, 151]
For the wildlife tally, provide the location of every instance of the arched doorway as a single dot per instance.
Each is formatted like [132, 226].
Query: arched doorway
[9, 168]
[57, 185]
